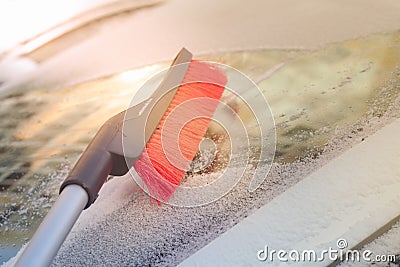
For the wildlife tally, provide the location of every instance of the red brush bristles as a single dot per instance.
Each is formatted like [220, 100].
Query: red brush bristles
[180, 130]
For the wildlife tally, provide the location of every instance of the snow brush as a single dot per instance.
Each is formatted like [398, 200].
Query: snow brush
[143, 129]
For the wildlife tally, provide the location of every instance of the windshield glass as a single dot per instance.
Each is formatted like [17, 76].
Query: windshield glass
[323, 100]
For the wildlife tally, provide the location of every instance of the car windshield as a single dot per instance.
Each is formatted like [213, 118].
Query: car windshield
[323, 100]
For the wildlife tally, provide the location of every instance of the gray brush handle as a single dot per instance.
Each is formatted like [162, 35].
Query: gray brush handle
[55, 227]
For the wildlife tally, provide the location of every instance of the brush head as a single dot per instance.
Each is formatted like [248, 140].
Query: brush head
[173, 145]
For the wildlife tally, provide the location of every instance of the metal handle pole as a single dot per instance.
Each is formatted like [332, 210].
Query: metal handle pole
[55, 227]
